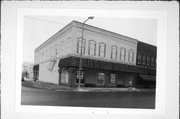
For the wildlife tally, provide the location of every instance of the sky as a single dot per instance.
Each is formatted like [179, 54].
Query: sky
[37, 29]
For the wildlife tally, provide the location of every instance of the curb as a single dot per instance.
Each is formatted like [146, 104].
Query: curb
[54, 87]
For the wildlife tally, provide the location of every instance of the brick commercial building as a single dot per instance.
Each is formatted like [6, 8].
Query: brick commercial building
[108, 59]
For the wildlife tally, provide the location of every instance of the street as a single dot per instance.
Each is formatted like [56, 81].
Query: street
[35, 96]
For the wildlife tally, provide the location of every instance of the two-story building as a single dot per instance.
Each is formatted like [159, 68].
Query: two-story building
[108, 59]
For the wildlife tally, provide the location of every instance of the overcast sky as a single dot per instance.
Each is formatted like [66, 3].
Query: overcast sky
[38, 29]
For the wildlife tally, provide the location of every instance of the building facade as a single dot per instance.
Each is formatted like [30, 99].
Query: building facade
[108, 59]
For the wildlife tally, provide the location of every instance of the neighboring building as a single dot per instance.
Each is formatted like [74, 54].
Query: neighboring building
[146, 58]
[108, 59]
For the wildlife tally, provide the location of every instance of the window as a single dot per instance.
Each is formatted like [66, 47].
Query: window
[144, 60]
[122, 54]
[81, 48]
[102, 49]
[114, 52]
[113, 78]
[92, 48]
[50, 52]
[42, 56]
[81, 77]
[56, 51]
[131, 55]
[148, 60]
[64, 76]
[101, 79]
[36, 59]
[139, 59]
[39, 57]
[152, 61]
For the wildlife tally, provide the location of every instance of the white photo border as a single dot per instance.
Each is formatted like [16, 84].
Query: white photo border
[167, 90]
[160, 16]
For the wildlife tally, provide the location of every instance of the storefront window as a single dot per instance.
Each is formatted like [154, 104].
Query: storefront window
[122, 54]
[81, 77]
[64, 76]
[101, 78]
[113, 78]
[81, 45]
[102, 49]
[114, 52]
[92, 48]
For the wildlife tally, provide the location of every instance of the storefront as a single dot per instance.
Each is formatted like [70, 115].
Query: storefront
[98, 73]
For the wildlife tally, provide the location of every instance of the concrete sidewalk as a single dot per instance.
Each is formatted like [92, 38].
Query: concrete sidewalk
[55, 87]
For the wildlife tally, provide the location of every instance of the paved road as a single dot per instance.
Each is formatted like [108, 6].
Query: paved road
[35, 96]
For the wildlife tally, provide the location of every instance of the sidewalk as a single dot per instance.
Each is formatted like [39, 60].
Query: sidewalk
[55, 87]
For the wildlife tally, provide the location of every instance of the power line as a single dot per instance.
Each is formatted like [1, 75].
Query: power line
[44, 20]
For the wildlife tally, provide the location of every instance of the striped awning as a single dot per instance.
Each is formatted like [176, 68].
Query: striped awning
[148, 77]
[104, 65]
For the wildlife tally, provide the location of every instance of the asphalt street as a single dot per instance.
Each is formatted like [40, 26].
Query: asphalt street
[35, 96]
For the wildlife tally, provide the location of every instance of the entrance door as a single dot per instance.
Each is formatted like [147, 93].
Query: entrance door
[80, 75]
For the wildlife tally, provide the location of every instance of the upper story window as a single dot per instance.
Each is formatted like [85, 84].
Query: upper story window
[122, 54]
[39, 57]
[56, 50]
[114, 52]
[42, 55]
[36, 59]
[50, 52]
[148, 60]
[131, 55]
[152, 61]
[92, 47]
[102, 49]
[139, 59]
[81, 45]
[144, 60]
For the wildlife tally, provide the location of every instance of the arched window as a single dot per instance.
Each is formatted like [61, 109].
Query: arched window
[152, 61]
[81, 45]
[131, 55]
[148, 60]
[102, 49]
[139, 59]
[122, 54]
[114, 52]
[92, 47]
[144, 60]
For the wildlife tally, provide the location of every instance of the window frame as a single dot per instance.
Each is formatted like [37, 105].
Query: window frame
[78, 50]
[103, 79]
[121, 49]
[102, 45]
[113, 81]
[92, 43]
[144, 60]
[139, 59]
[131, 58]
[114, 53]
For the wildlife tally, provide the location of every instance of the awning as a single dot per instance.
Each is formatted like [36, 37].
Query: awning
[148, 77]
[73, 61]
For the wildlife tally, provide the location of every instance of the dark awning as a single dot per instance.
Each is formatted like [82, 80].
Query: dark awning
[148, 77]
[97, 64]
[36, 67]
